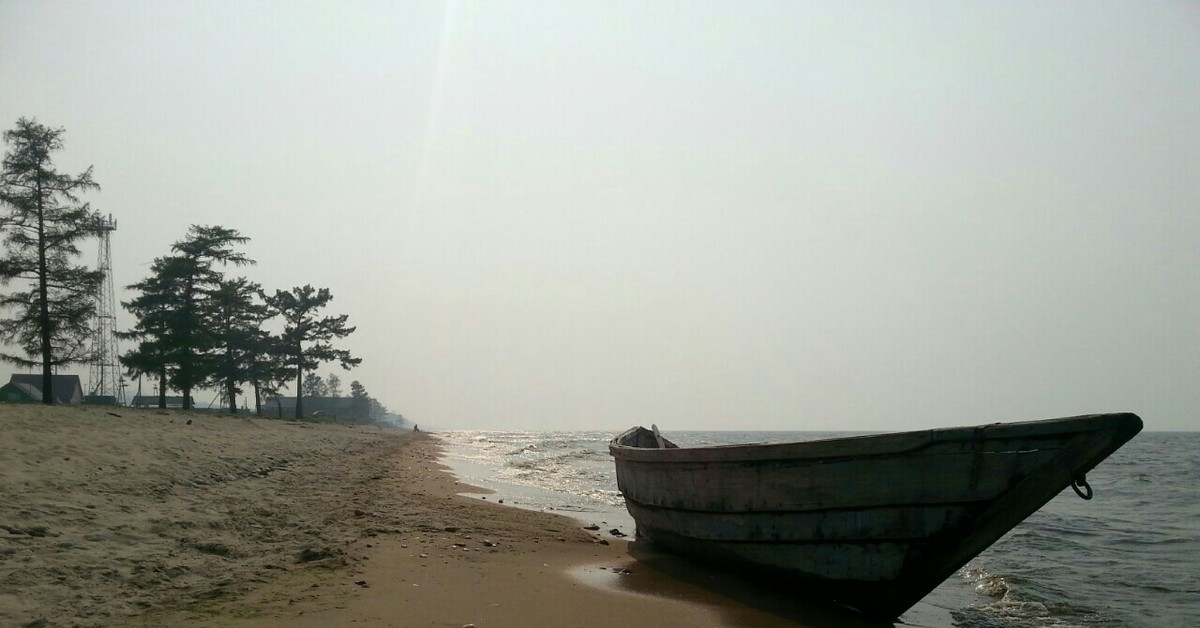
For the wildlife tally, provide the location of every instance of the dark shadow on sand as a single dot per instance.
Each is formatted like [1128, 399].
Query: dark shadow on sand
[745, 589]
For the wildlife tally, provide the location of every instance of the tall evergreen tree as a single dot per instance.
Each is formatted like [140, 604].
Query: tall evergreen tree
[237, 319]
[156, 310]
[266, 365]
[43, 224]
[199, 252]
[307, 339]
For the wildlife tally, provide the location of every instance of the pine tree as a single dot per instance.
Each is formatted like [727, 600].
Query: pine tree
[198, 253]
[266, 367]
[307, 340]
[236, 322]
[156, 309]
[43, 225]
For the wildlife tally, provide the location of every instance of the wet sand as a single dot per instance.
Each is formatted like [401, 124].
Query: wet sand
[118, 517]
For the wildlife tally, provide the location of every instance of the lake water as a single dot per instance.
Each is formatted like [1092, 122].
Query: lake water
[1129, 557]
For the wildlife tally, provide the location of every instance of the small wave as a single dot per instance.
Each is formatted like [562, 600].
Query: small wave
[1012, 613]
[1015, 604]
[533, 465]
[991, 585]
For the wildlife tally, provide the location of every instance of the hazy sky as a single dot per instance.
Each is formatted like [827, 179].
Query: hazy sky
[588, 215]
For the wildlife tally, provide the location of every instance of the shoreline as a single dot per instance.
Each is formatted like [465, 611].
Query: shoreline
[116, 516]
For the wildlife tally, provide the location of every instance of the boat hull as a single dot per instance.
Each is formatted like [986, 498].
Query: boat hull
[870, 522]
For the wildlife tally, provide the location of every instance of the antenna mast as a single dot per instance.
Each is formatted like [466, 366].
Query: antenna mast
[105, 377]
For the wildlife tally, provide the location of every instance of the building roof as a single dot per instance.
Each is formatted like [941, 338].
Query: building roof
[67, 388]
[16, 392]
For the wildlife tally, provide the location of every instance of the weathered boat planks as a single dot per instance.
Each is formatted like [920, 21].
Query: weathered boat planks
[873, 522]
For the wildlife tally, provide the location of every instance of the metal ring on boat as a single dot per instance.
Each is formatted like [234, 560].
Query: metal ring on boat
[1081, 483]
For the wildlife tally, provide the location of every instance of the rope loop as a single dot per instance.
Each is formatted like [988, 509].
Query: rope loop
[1081, 487]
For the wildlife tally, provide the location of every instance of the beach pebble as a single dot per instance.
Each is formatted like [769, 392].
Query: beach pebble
[591, 527]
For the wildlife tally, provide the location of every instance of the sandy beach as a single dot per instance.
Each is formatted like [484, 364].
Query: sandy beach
[115, 516]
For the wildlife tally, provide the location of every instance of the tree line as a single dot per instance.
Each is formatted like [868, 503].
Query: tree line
[195, 326]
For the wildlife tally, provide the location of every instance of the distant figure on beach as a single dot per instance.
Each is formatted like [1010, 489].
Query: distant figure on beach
[415, 428]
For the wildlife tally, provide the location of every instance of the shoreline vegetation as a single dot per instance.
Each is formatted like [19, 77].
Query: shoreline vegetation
[120, 516]
[194, 328]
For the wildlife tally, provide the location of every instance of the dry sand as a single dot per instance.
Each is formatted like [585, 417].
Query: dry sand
[118, 517]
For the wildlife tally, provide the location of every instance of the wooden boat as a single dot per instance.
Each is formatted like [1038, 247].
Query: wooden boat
[870, 522]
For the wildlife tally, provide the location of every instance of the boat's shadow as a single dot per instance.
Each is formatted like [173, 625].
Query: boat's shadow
[747, 590]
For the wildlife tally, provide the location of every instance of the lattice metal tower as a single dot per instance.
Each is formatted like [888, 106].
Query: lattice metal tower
[105, 377]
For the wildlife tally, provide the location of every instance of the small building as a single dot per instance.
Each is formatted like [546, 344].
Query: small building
[329, 407]
[67, 389]
[20, 393]
[151, 401]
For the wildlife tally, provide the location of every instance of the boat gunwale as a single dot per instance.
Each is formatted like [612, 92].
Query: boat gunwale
[881, 444]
